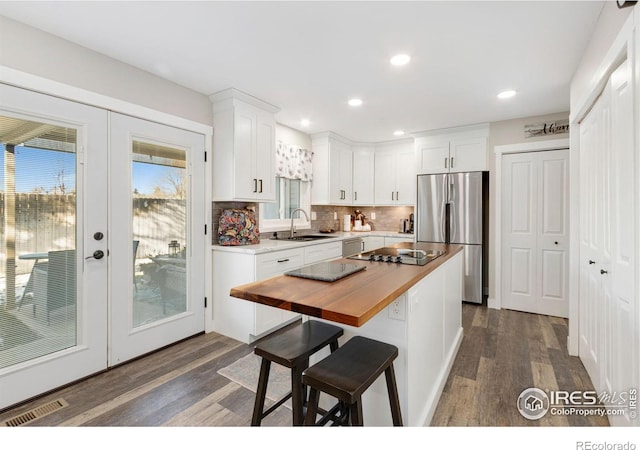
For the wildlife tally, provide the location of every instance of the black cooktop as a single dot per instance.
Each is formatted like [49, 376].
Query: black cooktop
[412, 256]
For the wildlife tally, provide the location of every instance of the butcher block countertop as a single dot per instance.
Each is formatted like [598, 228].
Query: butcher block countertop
[352, 300]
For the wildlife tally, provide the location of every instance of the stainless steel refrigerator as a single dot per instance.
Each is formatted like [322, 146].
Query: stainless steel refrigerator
[450, 210]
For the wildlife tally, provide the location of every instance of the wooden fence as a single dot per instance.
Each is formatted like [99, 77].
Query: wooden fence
[48, 222]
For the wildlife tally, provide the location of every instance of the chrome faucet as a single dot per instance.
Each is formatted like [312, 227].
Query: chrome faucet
[293, 230]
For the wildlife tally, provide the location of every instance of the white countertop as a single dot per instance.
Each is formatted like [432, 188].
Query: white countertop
[267, 245]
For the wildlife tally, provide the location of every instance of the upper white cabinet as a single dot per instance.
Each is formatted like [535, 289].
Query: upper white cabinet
[363, 175]
[332, 168]
[461, 149]
[244, 140]
[395, 174]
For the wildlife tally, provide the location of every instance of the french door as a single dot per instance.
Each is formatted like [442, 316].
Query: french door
[101, 240]
[156, 238]
[53, 301]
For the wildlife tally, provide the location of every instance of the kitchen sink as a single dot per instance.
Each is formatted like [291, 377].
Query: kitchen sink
[309, 237]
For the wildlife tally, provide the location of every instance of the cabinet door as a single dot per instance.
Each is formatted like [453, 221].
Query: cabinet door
[468, 155]
[363, 173]
[264, 162]
[340, 183]
[372, 243]
[406, 181]
[433, 156]
[385, 170]
[244, 179]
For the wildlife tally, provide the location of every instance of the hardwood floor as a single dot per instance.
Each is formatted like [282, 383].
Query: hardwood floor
[503, 352]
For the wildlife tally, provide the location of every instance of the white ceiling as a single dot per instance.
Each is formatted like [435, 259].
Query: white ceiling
[309, 58]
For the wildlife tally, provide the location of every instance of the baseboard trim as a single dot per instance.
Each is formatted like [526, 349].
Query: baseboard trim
[493, 303]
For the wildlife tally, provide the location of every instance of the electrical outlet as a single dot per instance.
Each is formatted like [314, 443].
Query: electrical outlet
[373, 216]
[335, 215]
[313, 215]
[397, 309]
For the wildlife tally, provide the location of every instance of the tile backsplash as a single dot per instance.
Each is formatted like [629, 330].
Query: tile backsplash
[387, 217]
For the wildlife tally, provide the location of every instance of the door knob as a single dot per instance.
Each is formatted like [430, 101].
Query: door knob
[602, 271]
[98, 254]
[591, 261]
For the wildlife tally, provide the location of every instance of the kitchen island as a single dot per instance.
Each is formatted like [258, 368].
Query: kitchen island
[416, 308]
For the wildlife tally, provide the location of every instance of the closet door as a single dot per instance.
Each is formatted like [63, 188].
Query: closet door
[536, 232]
[623, 366]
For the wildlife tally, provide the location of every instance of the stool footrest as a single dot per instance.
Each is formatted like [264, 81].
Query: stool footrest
[276, 405]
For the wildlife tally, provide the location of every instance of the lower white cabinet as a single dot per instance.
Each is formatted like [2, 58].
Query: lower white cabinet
[396, 240]
[372, 242]
[246, 321]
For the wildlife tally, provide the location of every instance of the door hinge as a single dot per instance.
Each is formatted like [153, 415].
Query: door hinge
[205, 302]
[205, 156]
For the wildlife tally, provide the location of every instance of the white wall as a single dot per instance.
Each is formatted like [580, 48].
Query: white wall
[293, 137]
[607, 28]
[39, 53]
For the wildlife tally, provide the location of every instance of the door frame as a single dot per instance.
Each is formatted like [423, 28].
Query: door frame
[43, 85]
[501, 150]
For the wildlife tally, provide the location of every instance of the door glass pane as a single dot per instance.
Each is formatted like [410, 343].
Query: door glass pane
[159, 232]
[37, 239]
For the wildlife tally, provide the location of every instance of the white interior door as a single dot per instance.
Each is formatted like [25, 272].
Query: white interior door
[535, 228]
[53, 293]
[157, 241]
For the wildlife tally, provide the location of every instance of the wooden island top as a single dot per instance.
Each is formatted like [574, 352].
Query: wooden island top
[352, 300]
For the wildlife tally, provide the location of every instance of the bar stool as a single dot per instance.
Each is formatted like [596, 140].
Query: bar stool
[291, 349]
[347, 373]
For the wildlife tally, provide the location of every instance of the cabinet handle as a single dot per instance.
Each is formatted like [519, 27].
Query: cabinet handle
[397, 196]
[591, 261]
[283, 260]
[355, 196]
[445, 162]
[260, 191]
[602, 271]
[255, 185]
[391, 195]
[362, 245]
[451, 165]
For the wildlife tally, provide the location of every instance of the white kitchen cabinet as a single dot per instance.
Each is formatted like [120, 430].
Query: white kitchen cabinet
[461, 149]
[396, 240]
[395, 174]
[332, 170]
[363, 175]
[372, 242]
[247, 321]
[243, 147]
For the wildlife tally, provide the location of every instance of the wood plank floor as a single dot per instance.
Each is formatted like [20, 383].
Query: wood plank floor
[503, 352]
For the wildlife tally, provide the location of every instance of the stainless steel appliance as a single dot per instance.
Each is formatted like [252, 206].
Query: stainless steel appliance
[394, 255]
[450, 210]
[351, 246]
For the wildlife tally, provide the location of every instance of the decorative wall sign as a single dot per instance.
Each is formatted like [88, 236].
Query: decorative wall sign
[547, 128]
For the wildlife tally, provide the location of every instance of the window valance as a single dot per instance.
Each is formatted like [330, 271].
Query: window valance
[293, 162]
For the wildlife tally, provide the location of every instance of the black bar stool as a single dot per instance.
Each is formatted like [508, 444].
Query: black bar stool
[291, 349]
[347, 373]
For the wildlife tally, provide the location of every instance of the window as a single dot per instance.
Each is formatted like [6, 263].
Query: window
[290, 195]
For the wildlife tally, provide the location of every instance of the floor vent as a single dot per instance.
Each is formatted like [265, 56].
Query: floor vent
[35, 413]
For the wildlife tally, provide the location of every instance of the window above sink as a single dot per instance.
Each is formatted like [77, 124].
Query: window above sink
[290, 195]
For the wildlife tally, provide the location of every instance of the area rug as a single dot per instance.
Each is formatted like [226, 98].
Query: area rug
[246, 372]
[14, 332]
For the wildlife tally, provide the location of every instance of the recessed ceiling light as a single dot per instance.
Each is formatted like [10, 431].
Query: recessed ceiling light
[355, 102]
[398, 133]
[305, 122]
[506, 94]
[400, 60]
